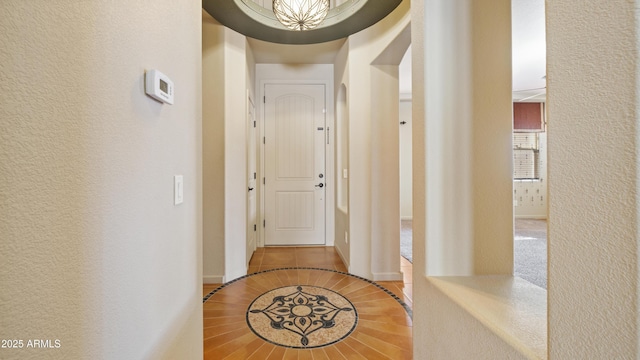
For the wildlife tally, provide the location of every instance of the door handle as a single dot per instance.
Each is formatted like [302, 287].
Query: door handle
[250, 188]
[320, 185]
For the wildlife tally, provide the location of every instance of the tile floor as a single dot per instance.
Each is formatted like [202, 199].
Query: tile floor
[384, 326]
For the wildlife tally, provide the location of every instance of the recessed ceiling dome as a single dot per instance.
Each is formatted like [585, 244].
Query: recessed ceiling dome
[253, 20]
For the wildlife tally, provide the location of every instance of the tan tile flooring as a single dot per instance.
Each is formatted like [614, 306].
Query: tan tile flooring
[384, 327]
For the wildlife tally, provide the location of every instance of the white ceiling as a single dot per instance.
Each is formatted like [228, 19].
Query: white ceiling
[405, 73]
[529, 52]
[529, 49]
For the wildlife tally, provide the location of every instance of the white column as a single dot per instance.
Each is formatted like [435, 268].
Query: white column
[467, 138]
[462, 180]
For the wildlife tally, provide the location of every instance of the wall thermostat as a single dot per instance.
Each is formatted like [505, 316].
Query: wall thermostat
[158, 86]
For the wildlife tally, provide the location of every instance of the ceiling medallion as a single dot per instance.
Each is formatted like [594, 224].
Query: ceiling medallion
[253, 20]
[300, 15]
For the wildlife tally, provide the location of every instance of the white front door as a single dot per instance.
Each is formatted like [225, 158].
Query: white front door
[294, 149]
[251, 181]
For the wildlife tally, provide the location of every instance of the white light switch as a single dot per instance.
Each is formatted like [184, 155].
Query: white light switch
[178, 190]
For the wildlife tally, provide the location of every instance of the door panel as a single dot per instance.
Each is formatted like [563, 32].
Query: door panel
[294, 164]
[294, 210]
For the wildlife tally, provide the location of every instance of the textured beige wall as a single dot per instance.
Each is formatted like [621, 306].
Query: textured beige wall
[385, 173]
[235, 154]
[94, 253]
[341, 86]
[365, 48]
[213, 107]
[421, 325]
[593, 250]
[227, 62]
[592, 51]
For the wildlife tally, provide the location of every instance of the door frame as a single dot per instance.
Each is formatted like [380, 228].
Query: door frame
[329, 155]
[252, 118]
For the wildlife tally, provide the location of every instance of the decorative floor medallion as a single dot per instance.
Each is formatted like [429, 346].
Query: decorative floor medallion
[302, 316]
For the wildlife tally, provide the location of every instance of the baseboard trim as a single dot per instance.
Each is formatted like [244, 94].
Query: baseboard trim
[394, 276]
[341, 255]
[531, 217]
[213, 279]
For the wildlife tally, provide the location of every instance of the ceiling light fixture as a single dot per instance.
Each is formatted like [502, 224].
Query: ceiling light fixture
[300, 15]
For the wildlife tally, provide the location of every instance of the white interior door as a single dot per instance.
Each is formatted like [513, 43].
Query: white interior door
[294, 184]
[251, 181]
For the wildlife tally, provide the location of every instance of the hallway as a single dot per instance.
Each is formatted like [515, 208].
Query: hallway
[382, 328]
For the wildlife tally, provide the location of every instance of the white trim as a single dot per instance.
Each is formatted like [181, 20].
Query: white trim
[406, 217]
[388, 276]
[406, 96]
[345, 261]
[213, 279]
[532, 217]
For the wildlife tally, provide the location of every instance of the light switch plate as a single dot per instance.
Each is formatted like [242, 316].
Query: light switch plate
[178, 189]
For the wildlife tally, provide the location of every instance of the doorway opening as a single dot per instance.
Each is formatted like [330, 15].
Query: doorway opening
[406, 145]
[529, 141]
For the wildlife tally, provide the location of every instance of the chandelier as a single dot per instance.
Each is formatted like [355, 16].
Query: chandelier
[300, 15]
